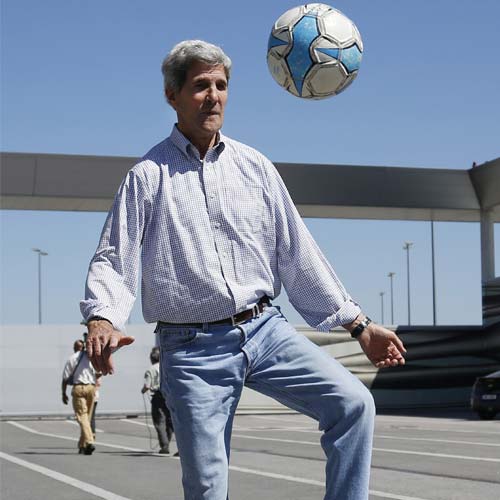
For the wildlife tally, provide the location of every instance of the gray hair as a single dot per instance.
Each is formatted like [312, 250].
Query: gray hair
[177, 63]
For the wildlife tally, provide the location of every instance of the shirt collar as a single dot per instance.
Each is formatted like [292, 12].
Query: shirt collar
[188, 150]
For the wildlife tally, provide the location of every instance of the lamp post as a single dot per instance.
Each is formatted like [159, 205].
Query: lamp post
[41, 254]
[433, 276]
[382, 307]
[407, 246]
[391, 276]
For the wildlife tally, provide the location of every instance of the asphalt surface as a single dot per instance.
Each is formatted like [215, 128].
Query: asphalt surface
[274, 457]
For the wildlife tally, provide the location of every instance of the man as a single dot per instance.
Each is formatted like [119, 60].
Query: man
[159, 411]
[79, 372]
[94, 407]
[218, 236]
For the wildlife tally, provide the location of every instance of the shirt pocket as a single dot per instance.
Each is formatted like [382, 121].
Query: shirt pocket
[247, 207]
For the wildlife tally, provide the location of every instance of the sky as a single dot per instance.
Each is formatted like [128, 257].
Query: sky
[83, 77]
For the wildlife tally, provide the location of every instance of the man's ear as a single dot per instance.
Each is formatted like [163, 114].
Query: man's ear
[170, 95]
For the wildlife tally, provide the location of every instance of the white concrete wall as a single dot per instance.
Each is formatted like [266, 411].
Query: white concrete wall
[32, 358]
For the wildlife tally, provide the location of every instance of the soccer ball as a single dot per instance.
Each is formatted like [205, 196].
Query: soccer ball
[314, 51]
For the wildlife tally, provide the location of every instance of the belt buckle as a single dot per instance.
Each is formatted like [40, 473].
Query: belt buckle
[255, 312]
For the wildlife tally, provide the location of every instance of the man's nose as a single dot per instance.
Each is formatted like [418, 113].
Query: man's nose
[212, 94]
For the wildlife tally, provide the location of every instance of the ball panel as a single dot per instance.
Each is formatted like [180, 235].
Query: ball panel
[289, 18]
[278, 69]
[325, 77]
[357, 37]
[299, 59]
[279, 43]
[292, 89]
[346, 83]
[316, 9]
[324, 50]
[337, 26]
[351, 58]
[325, 55]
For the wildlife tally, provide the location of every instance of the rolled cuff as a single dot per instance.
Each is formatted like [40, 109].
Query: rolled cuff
[347, 313]
[90, 310]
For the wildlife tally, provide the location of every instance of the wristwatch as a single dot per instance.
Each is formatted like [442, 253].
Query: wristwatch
[356, 332]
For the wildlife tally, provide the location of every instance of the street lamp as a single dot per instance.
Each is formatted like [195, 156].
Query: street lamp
[433, 276]
[407, 246]
[41, 254]
[382, 307]
[391, 275]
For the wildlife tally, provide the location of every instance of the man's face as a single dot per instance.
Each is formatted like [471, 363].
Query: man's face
[201, 101]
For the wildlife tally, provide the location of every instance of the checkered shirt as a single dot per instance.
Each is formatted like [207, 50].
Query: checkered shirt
[213, 236]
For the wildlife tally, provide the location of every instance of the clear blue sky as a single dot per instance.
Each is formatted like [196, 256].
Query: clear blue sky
[83, 77]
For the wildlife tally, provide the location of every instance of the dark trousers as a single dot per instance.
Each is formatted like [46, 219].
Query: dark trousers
[161, 420]
[92, 418]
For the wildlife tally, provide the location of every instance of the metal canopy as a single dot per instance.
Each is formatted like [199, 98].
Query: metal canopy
[31, 181]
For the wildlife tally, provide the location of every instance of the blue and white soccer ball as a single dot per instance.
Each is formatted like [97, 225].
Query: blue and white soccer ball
[314, 51]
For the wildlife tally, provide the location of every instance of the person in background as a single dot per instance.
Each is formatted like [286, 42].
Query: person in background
[218, 236]
[79, 372]
[94, 408]
[159, 411]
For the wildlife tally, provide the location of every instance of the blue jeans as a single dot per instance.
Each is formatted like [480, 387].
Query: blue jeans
[203, 372]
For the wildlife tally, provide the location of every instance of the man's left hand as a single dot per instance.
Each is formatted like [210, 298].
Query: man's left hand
[382, 346]
[102, 341]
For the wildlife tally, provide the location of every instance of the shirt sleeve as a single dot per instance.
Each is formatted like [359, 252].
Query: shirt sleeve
[68, 368]
[111, 285]
[312, 286]
[148, 379]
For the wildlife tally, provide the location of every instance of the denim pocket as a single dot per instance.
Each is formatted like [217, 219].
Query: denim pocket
[175, 338]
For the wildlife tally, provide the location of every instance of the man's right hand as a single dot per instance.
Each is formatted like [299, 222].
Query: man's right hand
[102, 341]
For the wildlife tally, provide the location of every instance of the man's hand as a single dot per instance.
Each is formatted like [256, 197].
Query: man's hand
[382, 346]
[65, 398]
[102, 341]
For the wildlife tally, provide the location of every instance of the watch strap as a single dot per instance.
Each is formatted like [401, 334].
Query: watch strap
[359, 328]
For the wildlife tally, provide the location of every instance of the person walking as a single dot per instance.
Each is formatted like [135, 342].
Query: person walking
[218, 236]
[79, 372]
[159, 411]
[94, 407]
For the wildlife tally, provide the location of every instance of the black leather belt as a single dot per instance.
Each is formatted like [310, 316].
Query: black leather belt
[235, 320]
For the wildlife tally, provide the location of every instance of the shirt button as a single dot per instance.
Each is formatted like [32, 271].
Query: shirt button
[216, 225]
